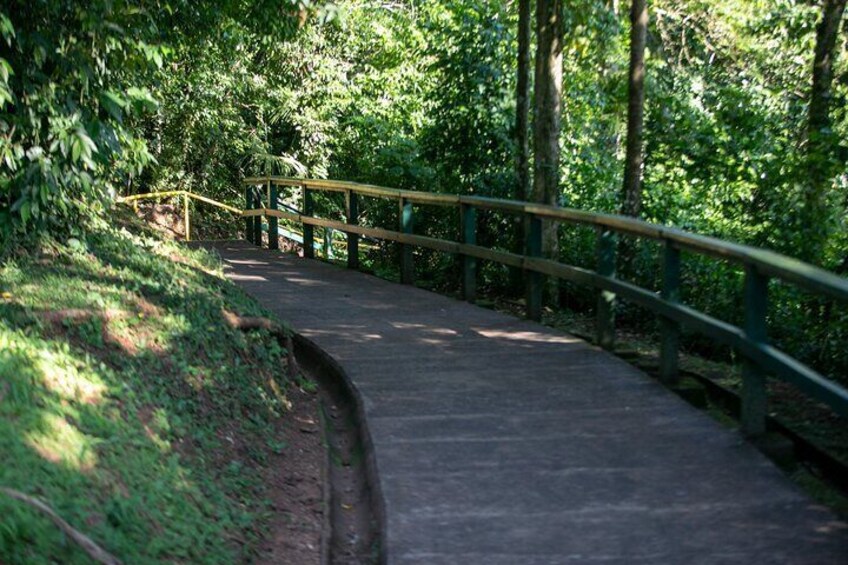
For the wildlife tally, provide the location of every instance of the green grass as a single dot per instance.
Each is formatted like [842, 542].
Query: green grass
[146, 423]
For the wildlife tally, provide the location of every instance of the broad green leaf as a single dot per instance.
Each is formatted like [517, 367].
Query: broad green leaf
[114, 104]
[7, 30]
[142, 98]
[76, 149]
[25, 212]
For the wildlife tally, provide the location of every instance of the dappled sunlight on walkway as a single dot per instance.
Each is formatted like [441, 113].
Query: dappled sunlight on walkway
[501, 441]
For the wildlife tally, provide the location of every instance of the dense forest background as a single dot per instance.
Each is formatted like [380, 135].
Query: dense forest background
[105, 97]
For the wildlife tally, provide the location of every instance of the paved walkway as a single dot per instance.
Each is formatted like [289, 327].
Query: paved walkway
[501, 442]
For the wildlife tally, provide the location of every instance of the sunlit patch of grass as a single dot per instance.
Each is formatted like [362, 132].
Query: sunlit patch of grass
[61, 375]
[121, 417]
[60, 442]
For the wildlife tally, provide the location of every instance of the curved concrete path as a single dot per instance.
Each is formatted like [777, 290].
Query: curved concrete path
[500, 441]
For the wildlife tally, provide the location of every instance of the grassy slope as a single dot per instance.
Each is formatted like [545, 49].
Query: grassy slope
[145, 426]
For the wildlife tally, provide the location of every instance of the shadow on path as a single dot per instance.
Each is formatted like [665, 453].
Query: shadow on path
[501, 441]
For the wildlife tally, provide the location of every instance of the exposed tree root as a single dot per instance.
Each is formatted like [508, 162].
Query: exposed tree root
[86, 543]
[253, 323]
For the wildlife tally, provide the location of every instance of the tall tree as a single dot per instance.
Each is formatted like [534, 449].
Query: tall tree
[522, 103]
[547, 111]
[632, 189]
[522, 130]
[820, 138]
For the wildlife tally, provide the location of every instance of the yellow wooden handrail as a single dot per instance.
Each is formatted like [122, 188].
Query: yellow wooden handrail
[165, 194]
[186, 195]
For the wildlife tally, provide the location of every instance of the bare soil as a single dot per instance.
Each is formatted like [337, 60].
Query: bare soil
[319, 492]
[294, 478]
[167, 219]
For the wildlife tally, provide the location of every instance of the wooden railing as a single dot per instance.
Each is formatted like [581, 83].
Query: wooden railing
[760, 358]
[759, 265]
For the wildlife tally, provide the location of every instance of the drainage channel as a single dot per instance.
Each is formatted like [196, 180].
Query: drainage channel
[353, 518]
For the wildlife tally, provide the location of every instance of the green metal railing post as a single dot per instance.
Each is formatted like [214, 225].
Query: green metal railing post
[308, 230]
[606, 299]
[407, 269]
[273, 221]
[533, 280]
[760, 359]
[257, 220]
[248, 221]
[352, 215]
[669, 329]
[753, 378]
[468, 225]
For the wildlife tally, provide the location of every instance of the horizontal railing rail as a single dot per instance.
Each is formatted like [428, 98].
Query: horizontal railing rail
[773, 264]
[186, 195]
[760, 358]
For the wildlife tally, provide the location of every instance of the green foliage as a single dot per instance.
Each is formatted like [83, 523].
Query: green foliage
[91, 92]
[146, 425]
[419, 95]
[99, 97]
[469, 139]
[71, 77]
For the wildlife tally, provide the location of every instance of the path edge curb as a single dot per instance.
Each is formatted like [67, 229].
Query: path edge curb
[331, 374]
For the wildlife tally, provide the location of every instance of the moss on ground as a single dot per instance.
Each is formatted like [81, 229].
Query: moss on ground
[128, 405]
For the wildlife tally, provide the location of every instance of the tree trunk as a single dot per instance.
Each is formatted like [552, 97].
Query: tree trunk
[547, 112]
[820, 139]
[632, 190]
[522, 103]
[522, 133]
